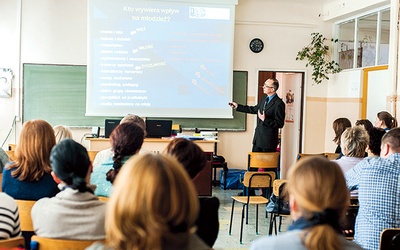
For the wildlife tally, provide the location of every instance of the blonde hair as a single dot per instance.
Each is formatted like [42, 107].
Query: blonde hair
[62, 132]
[32, 154]
[153, 204]
[354, 141]
[318, 184]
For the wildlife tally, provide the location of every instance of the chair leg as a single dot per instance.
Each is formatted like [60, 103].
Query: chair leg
[280, 223]
[271, 225]
[257, 219]
[247, 208]
[230, 224]
[241, 224]
[225, 173]
[275, 227]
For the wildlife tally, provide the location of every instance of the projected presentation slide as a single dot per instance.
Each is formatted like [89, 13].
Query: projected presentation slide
[160, 58]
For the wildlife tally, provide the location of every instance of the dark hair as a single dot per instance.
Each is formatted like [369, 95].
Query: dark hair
[126, 139]
[375, 139]
[366, 123]
[388, 119]
[275, 83]
[339, 126]
[392, 137]
[70, 162]
[190, 155]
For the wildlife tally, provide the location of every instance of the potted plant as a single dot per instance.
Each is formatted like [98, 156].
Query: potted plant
[318, 57]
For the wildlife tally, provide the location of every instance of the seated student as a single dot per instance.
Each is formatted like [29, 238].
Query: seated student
[375, 138]
[385, 120]
[75, 212]
[153, 206]
[339, 126]
[318, 201]
[194, 160]
[107, 153]
[28, 177]
[9, 217]
[62, 132]
[126, 140]
[354, 142]
[3, 159]
[377, 180]
[365, 123]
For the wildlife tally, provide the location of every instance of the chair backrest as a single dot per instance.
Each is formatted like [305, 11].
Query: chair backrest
[259, 179]
[13, 242]
[263, 160]
[277, 186]
[10, 154]
[24, 209]
[331, 156]
[92, 155]
[103, 198]
[51, 244]
[305, 156]
[390, 239]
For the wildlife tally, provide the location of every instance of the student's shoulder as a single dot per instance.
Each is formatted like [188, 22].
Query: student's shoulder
[287, 240]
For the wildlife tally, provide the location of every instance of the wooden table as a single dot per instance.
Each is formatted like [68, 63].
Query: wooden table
[155, 145]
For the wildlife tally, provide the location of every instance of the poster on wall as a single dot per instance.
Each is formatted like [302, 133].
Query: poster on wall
[6, 76]
[289, 106]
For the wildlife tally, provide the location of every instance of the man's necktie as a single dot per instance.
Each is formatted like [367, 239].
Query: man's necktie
[265, 103]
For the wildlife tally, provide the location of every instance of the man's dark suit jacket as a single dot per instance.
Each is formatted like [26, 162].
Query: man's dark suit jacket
[266, 133]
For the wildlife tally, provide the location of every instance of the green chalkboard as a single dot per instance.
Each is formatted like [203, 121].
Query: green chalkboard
[57, 94]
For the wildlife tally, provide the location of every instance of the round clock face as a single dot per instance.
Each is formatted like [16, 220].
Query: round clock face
[256, 45]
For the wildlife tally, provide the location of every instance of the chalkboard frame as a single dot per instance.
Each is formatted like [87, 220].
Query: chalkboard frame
[48, 95]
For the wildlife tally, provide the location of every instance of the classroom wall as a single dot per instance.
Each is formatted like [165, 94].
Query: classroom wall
[54, 32]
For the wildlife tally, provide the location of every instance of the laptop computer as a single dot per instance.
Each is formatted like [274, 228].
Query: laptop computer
[158, 128]
[109, 126]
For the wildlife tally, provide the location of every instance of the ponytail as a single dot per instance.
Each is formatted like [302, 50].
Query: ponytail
[322, 237]
[324, 231]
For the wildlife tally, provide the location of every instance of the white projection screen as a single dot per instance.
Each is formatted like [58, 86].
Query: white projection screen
[160, 58]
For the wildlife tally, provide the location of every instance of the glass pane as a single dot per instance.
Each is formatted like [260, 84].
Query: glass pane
[346, 44]
[367, 39]
[385, 32]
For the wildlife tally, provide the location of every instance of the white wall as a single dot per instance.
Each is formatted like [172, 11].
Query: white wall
[55, 32]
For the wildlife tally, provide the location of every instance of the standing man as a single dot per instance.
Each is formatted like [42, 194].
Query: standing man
[271, 117]
[378, 182]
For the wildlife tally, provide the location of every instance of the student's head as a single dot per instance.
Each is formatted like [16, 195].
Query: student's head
[318, 193]
[340, 125]
[32, 154]
[62, 132]
[375, 139]
[71, 164]
[385, 120]
[354, 141]
[135, 119]
[189, 154]
[390, 142]
[153, 204]
[126, 140]
[365, 123]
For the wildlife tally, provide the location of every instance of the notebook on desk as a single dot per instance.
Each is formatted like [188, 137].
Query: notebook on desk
[158, 128]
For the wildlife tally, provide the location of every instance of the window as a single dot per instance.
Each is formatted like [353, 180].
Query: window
[372, 35]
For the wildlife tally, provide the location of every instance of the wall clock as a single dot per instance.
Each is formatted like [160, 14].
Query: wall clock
[256, 45]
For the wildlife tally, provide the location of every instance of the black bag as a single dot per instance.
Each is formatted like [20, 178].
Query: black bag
[272, 206]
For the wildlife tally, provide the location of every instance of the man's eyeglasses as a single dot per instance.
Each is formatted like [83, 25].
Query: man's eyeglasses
[266, 86]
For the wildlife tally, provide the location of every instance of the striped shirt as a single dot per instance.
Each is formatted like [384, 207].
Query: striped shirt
[378, 184]
[9, 217]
